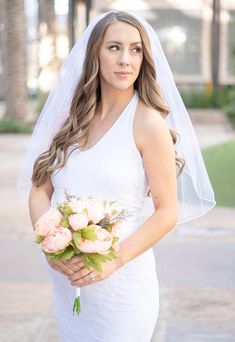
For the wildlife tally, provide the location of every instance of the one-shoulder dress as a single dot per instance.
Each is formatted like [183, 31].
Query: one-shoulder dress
[123, 307]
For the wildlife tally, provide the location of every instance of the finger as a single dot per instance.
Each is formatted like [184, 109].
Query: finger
[79, 274]
[76, 259]
[55, 267]
[59, 266]
[84, 281]
[72, 267]
[64, 269]
[75, 266]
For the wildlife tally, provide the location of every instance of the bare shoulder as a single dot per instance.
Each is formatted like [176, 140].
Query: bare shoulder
[149, 127]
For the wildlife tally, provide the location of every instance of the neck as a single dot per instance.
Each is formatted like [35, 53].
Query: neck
[113, 102]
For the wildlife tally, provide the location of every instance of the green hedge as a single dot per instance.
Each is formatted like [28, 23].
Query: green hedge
[12, 125]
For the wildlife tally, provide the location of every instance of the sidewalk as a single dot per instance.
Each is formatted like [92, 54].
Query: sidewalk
[195, 266]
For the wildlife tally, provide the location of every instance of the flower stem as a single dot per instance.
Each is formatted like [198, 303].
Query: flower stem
[77, 306]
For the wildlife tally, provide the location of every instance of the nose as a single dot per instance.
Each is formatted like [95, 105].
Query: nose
[124, 58]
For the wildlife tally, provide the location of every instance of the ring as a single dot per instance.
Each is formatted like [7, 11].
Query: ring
[91, 276]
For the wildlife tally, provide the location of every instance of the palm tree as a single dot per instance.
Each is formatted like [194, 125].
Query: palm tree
[73, 18]
[71, 22]
[2, 50]
[15, 61]
[215, 46]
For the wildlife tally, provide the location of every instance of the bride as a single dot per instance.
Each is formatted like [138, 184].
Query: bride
[109, 129]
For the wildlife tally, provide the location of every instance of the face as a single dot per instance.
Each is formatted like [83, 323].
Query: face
[120, 56]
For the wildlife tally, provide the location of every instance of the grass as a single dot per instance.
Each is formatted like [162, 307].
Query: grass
[220, 163]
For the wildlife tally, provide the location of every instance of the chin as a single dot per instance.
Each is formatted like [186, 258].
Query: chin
[122, 86]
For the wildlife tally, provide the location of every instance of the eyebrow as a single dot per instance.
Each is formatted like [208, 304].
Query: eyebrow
[116, 42]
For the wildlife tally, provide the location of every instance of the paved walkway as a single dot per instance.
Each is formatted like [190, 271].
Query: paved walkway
[195, 265]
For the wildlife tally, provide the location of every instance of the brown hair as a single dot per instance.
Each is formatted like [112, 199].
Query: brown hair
[87, 96]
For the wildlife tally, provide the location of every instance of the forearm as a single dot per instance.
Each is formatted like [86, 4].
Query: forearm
[39, 202]
[151, 231]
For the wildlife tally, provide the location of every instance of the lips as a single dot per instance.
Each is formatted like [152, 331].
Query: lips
[122, 73]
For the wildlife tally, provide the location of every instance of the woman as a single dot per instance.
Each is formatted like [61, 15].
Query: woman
[114, 143]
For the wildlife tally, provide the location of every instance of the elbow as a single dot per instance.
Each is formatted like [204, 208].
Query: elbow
[39, 194]
[170, 217]
[173, 216]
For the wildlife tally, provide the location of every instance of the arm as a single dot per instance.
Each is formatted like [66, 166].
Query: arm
[39, 202]
[158, 155]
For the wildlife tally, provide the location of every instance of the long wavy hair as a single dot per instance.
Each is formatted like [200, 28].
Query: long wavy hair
[87, 96]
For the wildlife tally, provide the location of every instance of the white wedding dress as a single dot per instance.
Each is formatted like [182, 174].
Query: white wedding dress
[123, 307]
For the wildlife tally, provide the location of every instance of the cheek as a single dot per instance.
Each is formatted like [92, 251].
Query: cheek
[138, 63]
[105, 59]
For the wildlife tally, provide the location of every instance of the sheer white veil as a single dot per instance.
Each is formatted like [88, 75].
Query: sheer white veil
[195, 194]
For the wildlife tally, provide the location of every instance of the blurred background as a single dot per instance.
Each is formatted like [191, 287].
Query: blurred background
[196, 261]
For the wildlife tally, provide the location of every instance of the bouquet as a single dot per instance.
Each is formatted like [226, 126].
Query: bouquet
[88, 227]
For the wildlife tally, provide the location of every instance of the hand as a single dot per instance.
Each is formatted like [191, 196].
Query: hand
[62, 266]
[81, 278]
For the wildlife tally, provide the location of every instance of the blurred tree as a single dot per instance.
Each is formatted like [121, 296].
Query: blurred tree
[15, 61]
[47, 28]
[2, 50]
[73, 18]
[215, 46]
[71, 23]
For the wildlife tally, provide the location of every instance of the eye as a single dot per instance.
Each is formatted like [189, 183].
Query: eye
[137, 49]
[113, 47]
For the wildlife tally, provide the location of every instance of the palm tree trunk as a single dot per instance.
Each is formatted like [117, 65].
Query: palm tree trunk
[15, 63]
[215, 46]
[2, 49]
[71, 20]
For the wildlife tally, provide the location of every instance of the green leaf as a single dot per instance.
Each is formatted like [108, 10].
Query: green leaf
[50, 255]
[68, 253]
[39, 238]
[85, 211]
[100, 257]
[95, 263]
[58, 256]
[89, 232]
[67, 210]
[75, 247]
[60, 207]
[77, 237]
[85, 260]
[115, 239]
[64, 222]
[108, 227]
[114, 212]
[111, 255]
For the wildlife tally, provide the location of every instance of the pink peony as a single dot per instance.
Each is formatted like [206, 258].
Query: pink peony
[48, 221]
[78, 221]
[94, 207]
[96, 210]
[57, 240]
[100, 245]
[76, 205]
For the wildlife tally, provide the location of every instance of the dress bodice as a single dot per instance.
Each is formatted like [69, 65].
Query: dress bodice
[111, 169]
